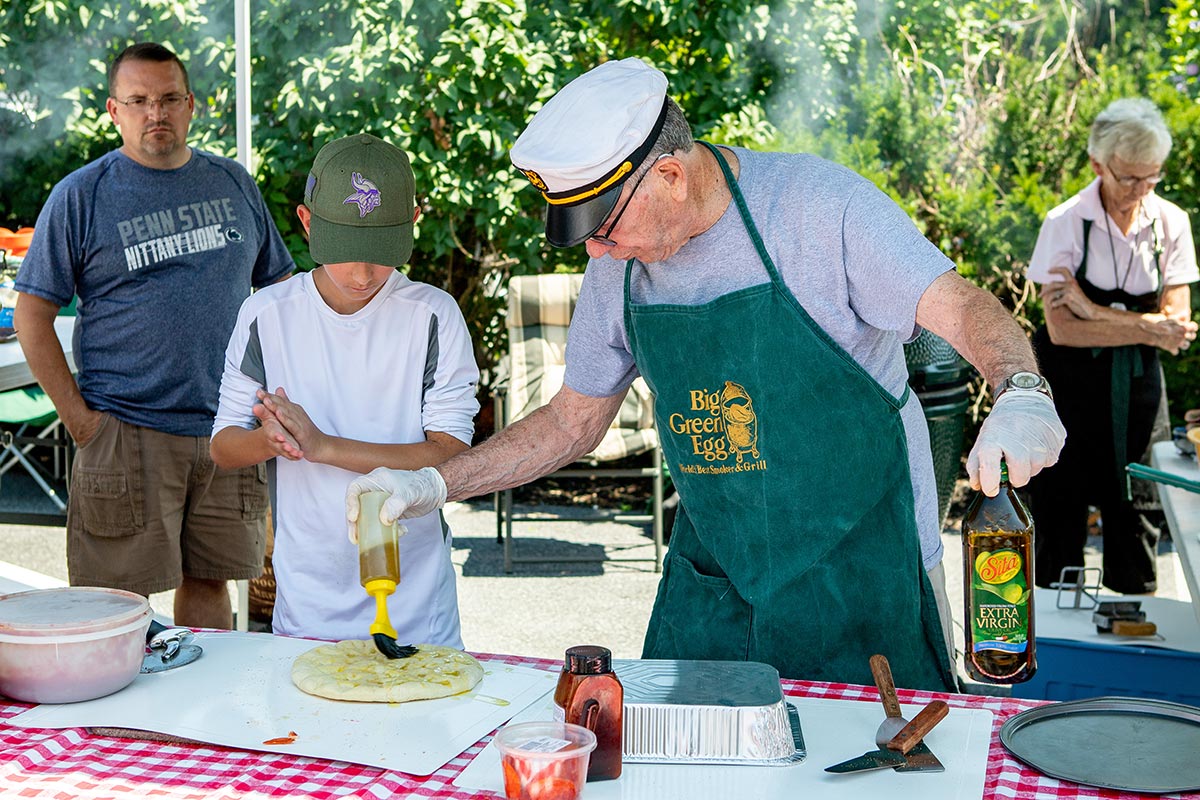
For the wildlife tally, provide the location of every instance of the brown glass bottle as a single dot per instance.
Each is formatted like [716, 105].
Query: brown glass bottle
[589, 694]
[997, 534]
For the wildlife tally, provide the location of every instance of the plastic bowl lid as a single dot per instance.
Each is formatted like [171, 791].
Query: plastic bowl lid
[68, 610]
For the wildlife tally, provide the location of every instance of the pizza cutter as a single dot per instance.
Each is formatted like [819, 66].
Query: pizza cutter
[881, 670]
[168, 648]
[920, 758]
[895, 753]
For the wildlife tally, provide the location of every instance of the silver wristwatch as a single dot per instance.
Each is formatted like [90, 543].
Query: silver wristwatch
[1027, 381]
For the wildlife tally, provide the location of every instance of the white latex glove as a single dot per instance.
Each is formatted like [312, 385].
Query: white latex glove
[1024, 430]
[411, 494]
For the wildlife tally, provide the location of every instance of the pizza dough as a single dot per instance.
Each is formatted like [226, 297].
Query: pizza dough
[355, 670]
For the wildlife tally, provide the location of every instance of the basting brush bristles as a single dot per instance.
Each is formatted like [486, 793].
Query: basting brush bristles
[387, 645]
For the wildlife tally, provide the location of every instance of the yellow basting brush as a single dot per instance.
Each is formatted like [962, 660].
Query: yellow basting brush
[379, 569]
[381, 629]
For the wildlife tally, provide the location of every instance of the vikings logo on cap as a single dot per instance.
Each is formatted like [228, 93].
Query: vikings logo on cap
[366, 195]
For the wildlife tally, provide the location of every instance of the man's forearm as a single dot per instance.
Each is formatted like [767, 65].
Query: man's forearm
[975, 323]
[568, 427]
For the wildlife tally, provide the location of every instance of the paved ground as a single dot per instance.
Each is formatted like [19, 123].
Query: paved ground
[539, 609]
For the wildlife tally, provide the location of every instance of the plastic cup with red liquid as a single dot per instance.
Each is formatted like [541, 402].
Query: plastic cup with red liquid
[544, 760]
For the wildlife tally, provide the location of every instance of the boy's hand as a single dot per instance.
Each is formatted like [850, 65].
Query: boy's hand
[280, 441]
[296, 423]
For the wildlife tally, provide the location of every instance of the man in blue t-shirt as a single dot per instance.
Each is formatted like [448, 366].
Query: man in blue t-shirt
[161, 243]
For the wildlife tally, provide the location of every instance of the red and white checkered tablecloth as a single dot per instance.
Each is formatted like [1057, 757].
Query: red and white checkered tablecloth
[74, 764]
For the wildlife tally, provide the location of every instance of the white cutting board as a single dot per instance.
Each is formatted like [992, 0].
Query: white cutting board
[240, 694]
[834, 731]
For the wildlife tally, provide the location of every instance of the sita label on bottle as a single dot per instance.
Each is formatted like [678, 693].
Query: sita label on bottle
[1001, 611]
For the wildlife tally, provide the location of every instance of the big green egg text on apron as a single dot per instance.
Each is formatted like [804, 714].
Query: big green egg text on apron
[796, 542]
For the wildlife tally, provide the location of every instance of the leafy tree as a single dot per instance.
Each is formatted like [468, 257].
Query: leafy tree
[53, 86]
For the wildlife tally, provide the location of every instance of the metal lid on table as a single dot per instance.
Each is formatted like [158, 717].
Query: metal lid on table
[1123, 743]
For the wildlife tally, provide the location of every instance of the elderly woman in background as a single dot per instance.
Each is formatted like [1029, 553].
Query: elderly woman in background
[1114, 262]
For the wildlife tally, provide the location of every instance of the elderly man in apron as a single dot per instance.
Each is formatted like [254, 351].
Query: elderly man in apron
[765, 298]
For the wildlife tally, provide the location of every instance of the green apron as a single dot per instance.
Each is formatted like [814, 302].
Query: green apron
[795, 543]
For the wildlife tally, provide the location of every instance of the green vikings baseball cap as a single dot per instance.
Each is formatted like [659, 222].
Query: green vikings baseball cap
[361, 195]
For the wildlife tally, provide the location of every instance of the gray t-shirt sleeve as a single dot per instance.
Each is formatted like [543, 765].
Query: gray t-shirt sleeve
[51, 265]
[598, 360]
[273, 261]
[889, 264]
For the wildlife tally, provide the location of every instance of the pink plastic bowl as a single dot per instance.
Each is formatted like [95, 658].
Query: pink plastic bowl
[70, 644]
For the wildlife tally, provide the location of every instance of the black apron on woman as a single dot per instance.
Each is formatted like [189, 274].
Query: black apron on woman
[795, 543]
[1107, 398]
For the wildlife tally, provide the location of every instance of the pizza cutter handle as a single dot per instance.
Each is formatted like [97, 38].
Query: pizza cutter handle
[921, 724]
[882, 672]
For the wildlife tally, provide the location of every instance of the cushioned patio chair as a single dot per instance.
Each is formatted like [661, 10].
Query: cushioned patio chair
[539, 314]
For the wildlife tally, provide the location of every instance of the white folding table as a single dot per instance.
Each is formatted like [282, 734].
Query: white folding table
[1182, 509]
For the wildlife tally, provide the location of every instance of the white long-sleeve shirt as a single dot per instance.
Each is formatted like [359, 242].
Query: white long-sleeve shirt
[397, 368]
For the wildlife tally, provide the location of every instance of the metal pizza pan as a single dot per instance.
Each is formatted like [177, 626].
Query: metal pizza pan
[1123, 743]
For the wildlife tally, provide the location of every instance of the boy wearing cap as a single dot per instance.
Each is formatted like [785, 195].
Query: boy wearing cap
[368, 369]
[765, 298]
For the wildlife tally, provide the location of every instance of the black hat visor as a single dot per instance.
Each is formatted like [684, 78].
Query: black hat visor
[567, 226]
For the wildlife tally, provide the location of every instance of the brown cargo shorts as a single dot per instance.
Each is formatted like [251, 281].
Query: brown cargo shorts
[147, 508]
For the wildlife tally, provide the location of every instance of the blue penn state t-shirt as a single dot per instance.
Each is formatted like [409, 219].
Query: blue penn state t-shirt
[161, 261]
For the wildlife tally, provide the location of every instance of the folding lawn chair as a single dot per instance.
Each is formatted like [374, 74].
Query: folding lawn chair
[30, 411]
[539, 314]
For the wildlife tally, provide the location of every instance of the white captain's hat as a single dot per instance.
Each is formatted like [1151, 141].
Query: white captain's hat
[584, 143]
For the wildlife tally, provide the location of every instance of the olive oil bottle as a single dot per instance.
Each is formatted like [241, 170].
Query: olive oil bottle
[997, 535]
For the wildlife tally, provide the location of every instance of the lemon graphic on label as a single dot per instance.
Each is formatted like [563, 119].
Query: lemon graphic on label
[1012, 593]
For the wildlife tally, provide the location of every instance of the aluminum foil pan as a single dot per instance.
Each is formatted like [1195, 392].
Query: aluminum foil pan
[713, 712]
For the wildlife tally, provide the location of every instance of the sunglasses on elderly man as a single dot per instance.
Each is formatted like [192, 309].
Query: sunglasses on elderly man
[605, 238]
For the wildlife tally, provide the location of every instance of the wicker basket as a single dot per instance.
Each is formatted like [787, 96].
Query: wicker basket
[262, 588]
